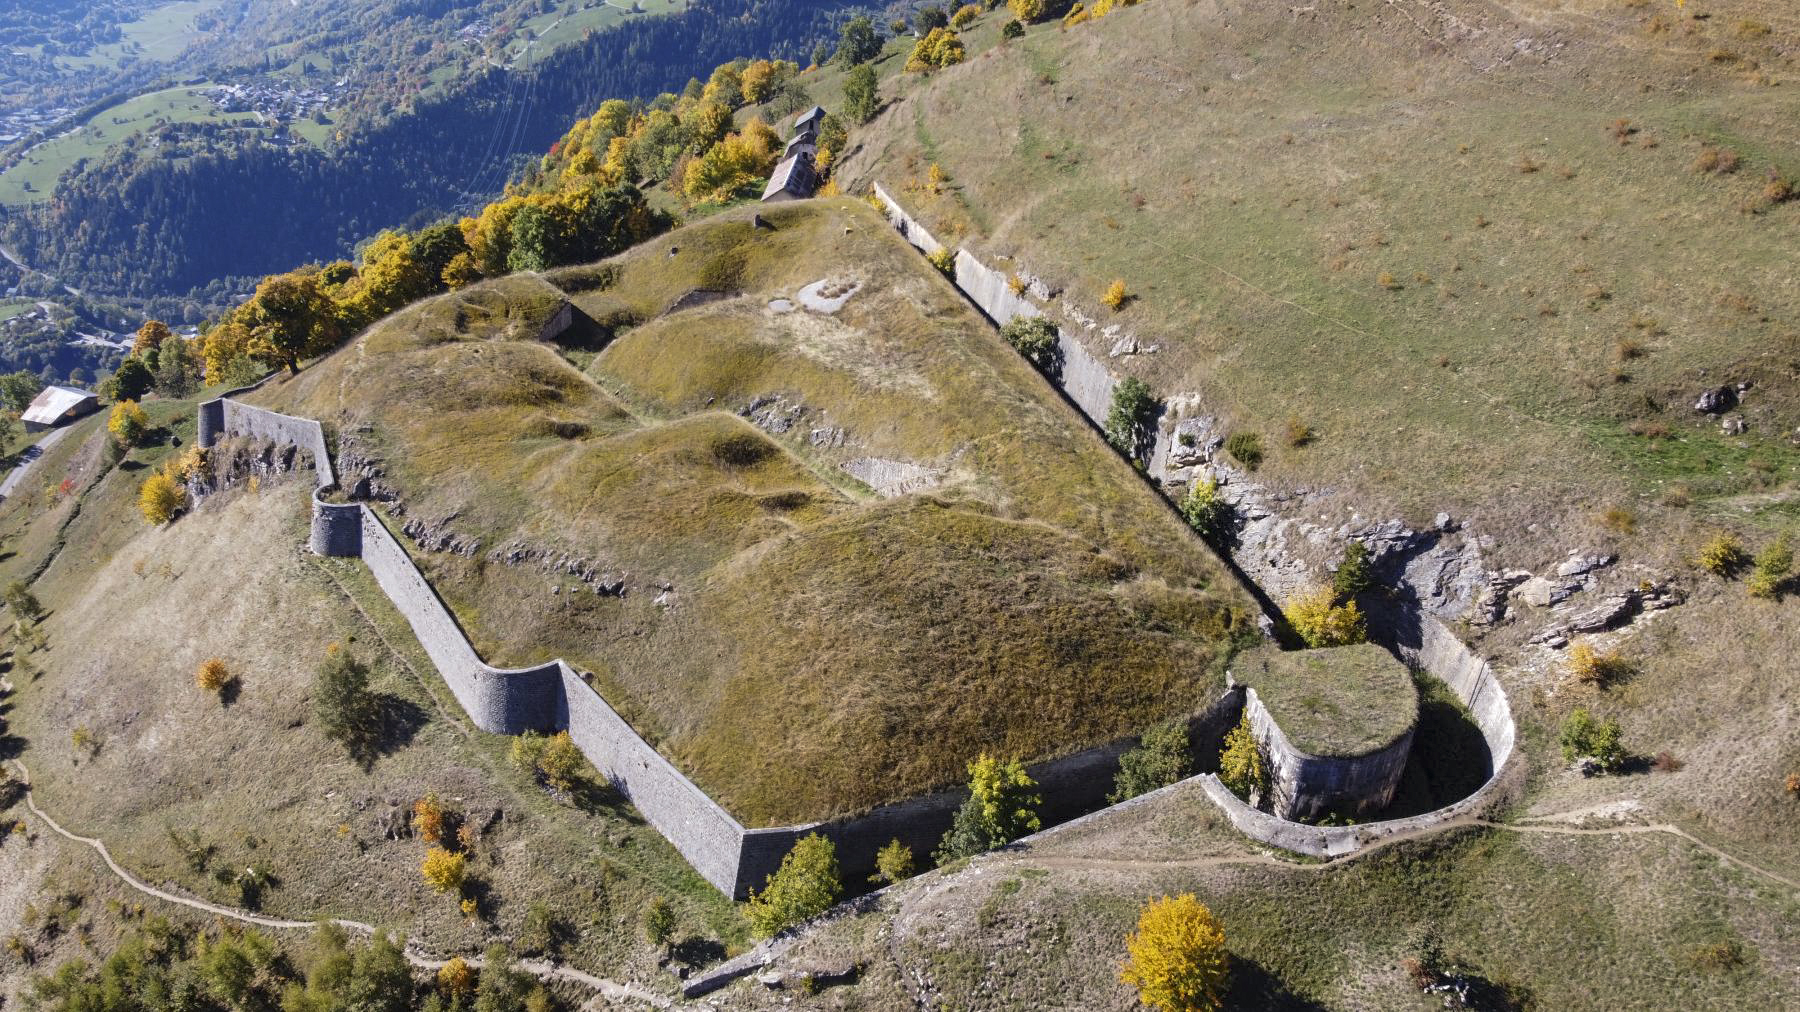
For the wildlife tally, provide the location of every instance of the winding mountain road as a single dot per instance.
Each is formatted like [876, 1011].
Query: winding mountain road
[28, 457]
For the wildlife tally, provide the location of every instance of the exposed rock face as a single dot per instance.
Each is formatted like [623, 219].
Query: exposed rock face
[1613, 611]
[774, 413]
[438, 537]
[1718, 399]
[236, 461]
[594, 574]
[1580, 565]
[362, 471]
[892, 478]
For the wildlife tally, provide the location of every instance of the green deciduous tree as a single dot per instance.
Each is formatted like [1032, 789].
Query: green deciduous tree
[862, 97]
[1600, 740]
[1132, 414]
[1001, 807]
[1033, 337]
[1160, 759]
[805, 886]
[130, 382]
[857, 43]
[346, 711]
[18, 388]
[893, 863]
[1207, 512]
[23, 602]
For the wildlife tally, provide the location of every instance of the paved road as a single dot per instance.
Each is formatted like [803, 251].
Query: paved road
[29, 457]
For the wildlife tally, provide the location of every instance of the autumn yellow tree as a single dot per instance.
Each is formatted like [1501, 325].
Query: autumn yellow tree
[224, 346]
[1116, 294]
[392, 275]
[1177, 958]
[707, 124]
[462, 271]
[428, 819]
[1320, 621]
[149, 337]
[560, 761]
[489, 235]
[292, 317]
[127, 423]
[738, 159]
[456, 978]
[443, 870]
[159, 499]
[940, 48]
[1027, 10]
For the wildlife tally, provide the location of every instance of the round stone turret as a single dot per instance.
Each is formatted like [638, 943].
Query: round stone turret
[1336, 726]
[212, 421]
[336, 528]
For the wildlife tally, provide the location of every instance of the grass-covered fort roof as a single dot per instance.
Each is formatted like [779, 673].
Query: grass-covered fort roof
[1340, 702]
[799, 634]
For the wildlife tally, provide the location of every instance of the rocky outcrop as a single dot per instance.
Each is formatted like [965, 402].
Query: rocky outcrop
[594, 574]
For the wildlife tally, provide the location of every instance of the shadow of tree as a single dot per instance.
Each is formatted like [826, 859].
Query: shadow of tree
[397, 722]
[597, 796]
[1253, 986]
[698, 951]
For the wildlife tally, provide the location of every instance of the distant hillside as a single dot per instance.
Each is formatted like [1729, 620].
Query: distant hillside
[183, 207]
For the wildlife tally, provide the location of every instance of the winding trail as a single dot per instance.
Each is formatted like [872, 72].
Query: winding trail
[1227, 860]
[541, 969]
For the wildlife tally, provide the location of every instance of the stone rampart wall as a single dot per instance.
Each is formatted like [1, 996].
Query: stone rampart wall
[223, 417]
[498, 700]
[1081, 377]
[1304, 786]
[711, 840]
[1072, 786]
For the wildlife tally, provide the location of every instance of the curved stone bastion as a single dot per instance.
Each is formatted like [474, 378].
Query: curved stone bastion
[1414, 637]
[1336, 726]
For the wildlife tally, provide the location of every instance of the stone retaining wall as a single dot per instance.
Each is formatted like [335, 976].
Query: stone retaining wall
[498, 700]
[1071, 786]
[1304, 786]
[224, 417]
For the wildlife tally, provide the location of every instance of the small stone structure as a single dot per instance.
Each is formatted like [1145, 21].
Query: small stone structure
[1336, 726]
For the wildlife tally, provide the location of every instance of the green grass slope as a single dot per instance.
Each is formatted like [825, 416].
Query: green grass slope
[1474, 247]
[798, 644]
